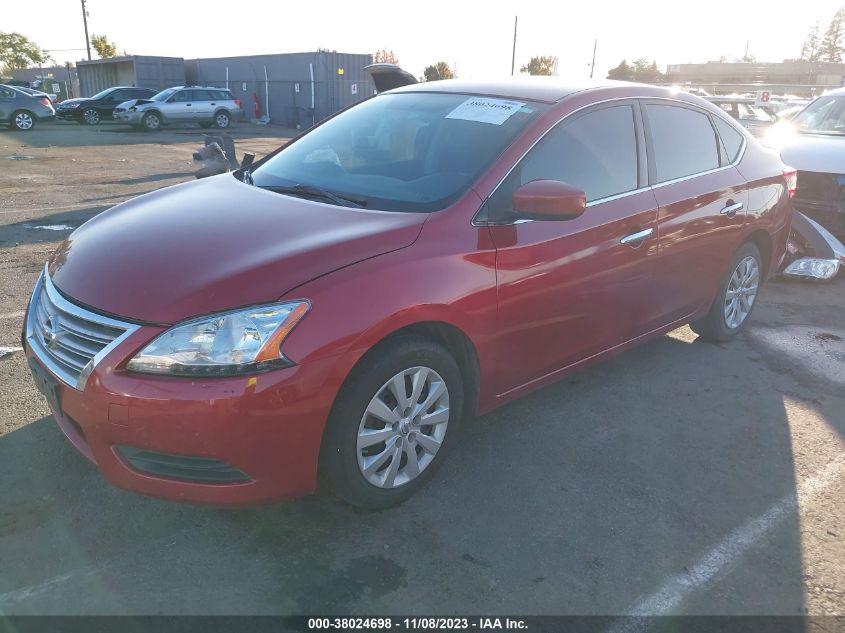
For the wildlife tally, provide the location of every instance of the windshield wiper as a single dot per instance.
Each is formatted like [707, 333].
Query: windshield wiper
[310, 191]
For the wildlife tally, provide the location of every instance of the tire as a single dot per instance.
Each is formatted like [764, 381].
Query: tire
[90, 116]
[151, 121]
[736, 298]
[23, 120]
[372, 387]
[222, 119]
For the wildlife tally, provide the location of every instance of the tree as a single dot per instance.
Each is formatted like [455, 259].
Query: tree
[385, 56]
[641, 70]
[647, 72]
[104, 48]
[18, 51]
[810, 48]
[539, 66]
[832, 49]
[440, 70]
[622, 72]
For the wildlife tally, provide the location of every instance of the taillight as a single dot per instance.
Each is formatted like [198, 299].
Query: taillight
[44, 101]
[790, 174]
[238, 102]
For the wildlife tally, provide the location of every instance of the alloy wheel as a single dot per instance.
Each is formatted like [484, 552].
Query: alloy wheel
[403, 427]
[741, 292]
[222, 120]
[23, 121]
[91, 116]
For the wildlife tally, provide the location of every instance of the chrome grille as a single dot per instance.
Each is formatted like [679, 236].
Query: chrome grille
[67, 338]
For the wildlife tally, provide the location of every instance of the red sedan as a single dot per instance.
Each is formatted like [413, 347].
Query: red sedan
[429, 254]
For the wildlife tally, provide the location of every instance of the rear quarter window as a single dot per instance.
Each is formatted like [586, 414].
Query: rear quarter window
[731, 138]
[683, 140]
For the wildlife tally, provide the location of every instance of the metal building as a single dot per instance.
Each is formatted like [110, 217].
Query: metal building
[294, 89]
[142, 71]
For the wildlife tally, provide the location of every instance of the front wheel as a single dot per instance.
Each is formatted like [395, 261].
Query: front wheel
[151, 121]
[392, 424]
[23, 121]
[91, 117]
[735, 299]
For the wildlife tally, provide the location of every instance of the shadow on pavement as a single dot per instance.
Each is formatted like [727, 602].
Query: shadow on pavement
[578, 499]
[32, 231]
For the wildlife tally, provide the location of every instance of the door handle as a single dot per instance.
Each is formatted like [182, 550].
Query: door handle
[213, 104]
[634, 239]
[731, 208]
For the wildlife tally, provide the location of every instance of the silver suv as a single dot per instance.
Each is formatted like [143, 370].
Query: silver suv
[200, 104]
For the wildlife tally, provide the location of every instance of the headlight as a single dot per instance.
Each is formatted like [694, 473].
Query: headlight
[813, 267]
[72, 105]
[224, 344]
[133, 108]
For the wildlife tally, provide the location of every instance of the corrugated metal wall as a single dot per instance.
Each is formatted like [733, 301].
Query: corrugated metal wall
[288, 83]
[143, 71]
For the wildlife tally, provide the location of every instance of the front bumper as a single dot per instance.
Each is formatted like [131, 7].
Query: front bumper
[266, 428]
[68, 115]
[133, 118]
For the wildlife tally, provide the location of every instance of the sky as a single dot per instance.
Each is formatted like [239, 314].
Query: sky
[474, 37]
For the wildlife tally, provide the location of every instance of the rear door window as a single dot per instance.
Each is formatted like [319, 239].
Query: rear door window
[683, 142]
[202, 95]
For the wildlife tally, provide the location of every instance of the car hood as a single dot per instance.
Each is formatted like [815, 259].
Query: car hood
[215, 244]
[68, 102]
[815, 152]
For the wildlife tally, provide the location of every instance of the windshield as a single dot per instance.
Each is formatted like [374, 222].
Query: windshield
[102, 93]
[164, 94]
[401, 152]
[825, 115]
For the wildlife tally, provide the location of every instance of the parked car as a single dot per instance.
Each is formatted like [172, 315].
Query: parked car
[743, 109]
[21, 111]
[100, 107]
[206, 106]
[38, 93]
[814, 143]
[430, 253]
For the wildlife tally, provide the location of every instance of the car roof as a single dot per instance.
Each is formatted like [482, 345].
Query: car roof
[200, 87]
[837, 92]
[543, 89]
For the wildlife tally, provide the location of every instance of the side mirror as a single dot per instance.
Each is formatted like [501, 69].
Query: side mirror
[549, 200]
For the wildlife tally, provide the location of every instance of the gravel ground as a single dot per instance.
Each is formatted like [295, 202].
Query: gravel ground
[680, 477]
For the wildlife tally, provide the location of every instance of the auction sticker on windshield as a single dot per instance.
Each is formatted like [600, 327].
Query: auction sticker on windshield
[483, 110]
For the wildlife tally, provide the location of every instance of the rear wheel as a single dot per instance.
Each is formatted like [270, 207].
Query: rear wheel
[90, 116]
[222, 119]
[23, 120]
[736, 297]
[392, 424]
[151, 121]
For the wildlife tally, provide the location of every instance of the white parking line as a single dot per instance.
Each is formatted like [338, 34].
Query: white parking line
[12, 315]
[671, 594]
[19, 595]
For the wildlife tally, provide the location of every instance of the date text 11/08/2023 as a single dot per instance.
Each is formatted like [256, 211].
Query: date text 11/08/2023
[416, 623]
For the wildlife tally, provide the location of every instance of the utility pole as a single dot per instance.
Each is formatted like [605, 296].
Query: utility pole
[747, 42]
[513, 56]
[85, 22]
[593, 65]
